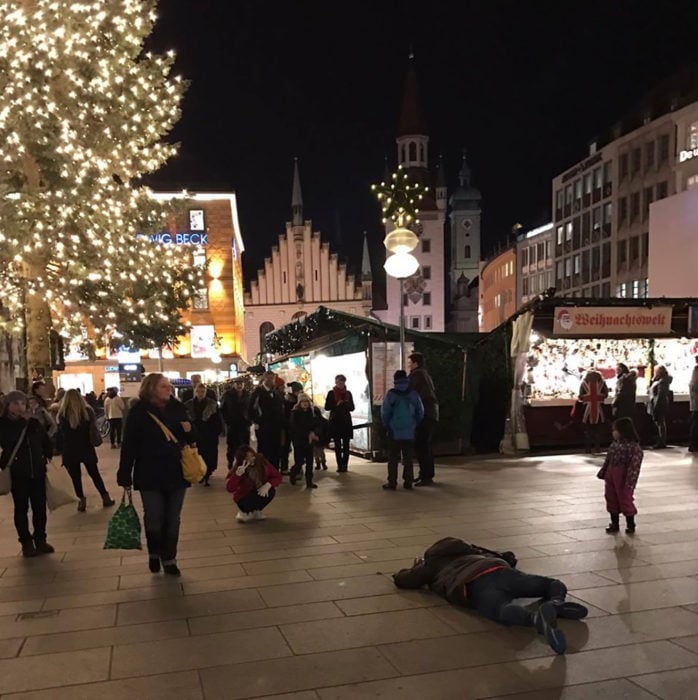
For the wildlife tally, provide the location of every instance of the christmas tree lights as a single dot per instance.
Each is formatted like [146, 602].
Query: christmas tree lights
[399, 199]
[83, 114]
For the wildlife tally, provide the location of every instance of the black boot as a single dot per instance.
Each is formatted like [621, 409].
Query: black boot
[42, 546]
[615, 524]
[28, 548]
[309, 483]
[630, 524]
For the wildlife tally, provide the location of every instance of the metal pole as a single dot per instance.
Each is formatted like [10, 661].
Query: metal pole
[402, 323]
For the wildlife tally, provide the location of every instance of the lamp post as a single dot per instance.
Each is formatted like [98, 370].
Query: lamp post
[399, 201]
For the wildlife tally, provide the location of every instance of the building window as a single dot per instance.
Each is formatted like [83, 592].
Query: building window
[636, 289]
[607, 212]
[568, 231]
[560, 233]
[622, 252]
[317, 275]
[621, 289]
[201, 299]
[622, 210]
[524, 286]
[634, 206]
[524, 257]
[421, 152]
[283, 277]
[559, 199]
[568, 194]
[199, 259]
[634, 248]
[597, 178]
[607, 179]
[196, 220]
[693, 135]
[426, 299]
[413, 151]
[403, 153]
[577, 264]
[623, 166]
[692, 181]
[427, 323]
[426, 245]
[649, 155]
[646, 201]
[560, 270]
[404, 299]
[568, 267]
[596, 218]
[587, 183]
[266, 327]
[426, 272]
[415, 322]
[636, 162]
[663, 148]
[662, 189]
[467, 251]
[548, 251]
[578, 189]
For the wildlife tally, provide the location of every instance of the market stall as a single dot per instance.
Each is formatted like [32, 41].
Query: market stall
[570, 336]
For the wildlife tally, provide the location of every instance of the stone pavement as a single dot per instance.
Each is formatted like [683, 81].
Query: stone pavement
[302, 607]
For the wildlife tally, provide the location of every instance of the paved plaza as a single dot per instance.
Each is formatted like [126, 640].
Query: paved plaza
[302, 607]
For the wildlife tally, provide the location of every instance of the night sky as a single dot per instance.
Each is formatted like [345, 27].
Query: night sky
[525, 86]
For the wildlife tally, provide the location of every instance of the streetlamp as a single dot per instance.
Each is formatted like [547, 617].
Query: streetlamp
[399, 201]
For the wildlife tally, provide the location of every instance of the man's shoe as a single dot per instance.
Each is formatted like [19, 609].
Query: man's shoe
[292, 478]
[43, 547]
[310, 485]
[389, 487]
[545, 621]
[424, 482]
[154, 565]
[570, 611]
[28, 549]
[171, 569]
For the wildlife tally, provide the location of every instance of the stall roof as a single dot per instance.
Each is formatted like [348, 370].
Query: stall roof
[327, 326]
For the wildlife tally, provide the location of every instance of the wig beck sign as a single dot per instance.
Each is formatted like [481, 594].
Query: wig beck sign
[625, 321]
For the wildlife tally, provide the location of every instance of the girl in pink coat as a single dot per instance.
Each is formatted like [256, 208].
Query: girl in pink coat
[620, 471]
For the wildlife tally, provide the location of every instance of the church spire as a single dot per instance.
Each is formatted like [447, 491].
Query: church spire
[411, 117]
[441, 190]
[366, 274]
[296, 197]
[464, 174]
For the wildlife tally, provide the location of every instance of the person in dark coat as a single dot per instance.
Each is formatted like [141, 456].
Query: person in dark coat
[204, 415]
[340, 404]
[659, 402]
[75, 419]
[421, 382]
[290, 401]
[593, 391]
[305, 428]
[465, 574]
[267, 412]
[27, 470]
[151, 463]
[401, 413]
[626, 390]
[235, 407]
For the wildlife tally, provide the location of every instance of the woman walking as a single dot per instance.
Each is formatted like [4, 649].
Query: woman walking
[75, 419]
[203, 413]
[114, 408]
[340, 404]
[152, 464]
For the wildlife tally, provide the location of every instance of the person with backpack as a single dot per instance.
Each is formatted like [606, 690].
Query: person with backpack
[401, 413]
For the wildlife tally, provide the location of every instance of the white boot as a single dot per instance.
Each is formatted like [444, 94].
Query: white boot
[258, 515]
[244, 517]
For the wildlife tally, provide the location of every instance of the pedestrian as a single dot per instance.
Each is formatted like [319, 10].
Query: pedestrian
[38, 403]
[75, 424]
[658, 404]
[114, 408]
[91, 399]
[323, 434]
[693, 402]
[53, 410]
[253, 481]
[340, 404]
[235, 411]
[422, 383]
[626, 390]
[290, 400]
[203, 414]
[488, 581]
[305, 428]
[26, 449]
[401, 413]
[620, 472]
[267, 412]
[592, 393]
[151, 463]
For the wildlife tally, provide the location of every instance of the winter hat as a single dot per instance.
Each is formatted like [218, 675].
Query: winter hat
[301, 398]
[295, 386]
[13, 396]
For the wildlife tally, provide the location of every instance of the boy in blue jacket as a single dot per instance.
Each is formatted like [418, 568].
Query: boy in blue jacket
[401, 411]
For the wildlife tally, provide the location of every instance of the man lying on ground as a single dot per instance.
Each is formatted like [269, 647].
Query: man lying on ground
[488, 581]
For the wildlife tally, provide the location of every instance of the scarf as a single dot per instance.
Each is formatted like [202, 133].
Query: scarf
[339, 394]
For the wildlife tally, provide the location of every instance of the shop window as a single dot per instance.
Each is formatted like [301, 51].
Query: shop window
[426, 272]
[426, 245]
[623, 166]
[266, 327]
[415, 322]
[634, 206]
[662, 189]
[427, 323]
[201, 299]
[636, 161]
[663, 148]
[426, 299]
[649, 155]
[467, 251]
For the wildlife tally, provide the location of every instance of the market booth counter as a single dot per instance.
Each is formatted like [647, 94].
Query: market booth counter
[567, 337]
[314, 349]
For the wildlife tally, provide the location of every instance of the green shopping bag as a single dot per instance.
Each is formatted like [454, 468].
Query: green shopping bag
[124, 531]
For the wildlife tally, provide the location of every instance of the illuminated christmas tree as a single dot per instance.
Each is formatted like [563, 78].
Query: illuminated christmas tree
[83, 113]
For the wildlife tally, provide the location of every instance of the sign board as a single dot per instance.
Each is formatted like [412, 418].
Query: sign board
[627, 321]
[182, 238]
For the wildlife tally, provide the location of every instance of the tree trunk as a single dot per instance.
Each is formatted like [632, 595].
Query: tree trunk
[37, 319]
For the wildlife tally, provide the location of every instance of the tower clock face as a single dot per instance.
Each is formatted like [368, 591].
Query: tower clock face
[467, 224]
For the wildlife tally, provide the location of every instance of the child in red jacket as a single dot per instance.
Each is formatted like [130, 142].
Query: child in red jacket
[252, 481]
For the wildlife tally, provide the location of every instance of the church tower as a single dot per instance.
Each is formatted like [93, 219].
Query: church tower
[465, 232]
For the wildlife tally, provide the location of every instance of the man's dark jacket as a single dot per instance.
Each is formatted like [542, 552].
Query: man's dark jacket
[34, 452]
[449, 565]
[267, 409]
[235, 407]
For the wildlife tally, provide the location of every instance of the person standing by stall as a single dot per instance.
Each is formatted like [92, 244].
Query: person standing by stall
[626, 390]
[658, 404]
[75, 423]
[305, 430]
[114, 408]
[203, 414]
[422, 383]
[290, 401]
[235, 411]
[693, 398]
[592, 393]
[267, 412]
[340, 404]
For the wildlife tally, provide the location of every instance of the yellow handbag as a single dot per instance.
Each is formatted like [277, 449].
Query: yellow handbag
[193, 465]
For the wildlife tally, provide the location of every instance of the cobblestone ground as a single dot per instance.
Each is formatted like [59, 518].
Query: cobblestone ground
[302, 607]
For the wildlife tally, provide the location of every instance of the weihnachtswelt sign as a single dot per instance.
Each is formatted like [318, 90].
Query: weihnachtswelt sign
[612, 320]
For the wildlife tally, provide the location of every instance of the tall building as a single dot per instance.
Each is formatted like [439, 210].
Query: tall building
[301, 274]
[498, 289]
[601, 205]
[535, 263]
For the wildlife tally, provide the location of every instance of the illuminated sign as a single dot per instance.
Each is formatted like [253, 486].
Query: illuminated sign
[184, 238]
[687, 155]
[615, 320]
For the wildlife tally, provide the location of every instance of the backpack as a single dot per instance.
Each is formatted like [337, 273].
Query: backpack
[402, 418]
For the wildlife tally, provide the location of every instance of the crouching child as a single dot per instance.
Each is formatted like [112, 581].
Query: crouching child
[253, 482]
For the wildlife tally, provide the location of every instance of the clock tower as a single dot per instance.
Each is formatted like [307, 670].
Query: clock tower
[465, 218]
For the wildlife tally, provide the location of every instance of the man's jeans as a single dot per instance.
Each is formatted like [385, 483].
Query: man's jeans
[423, 438]
[161, 511]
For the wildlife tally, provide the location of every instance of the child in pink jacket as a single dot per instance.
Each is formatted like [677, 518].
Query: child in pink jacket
[620, 471]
